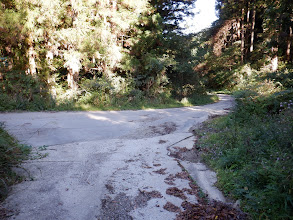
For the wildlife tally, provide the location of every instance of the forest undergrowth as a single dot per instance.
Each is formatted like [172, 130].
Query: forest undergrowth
[251, 149]
[29, 94]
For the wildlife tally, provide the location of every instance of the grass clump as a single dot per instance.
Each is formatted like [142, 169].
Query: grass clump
[252, 151]
[11, 155]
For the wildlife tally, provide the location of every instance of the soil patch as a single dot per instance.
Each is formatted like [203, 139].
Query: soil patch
[183, 175]
[170, 179]
[160, 171]
[214, 210]
[110, 188]
[174, 191]
[120, 206]
[171, 207]
[182, 153]
[117, 208]
[152, 194]
[157, 164]
[163, 129]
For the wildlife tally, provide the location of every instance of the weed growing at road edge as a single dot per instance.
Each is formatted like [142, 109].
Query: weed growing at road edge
[252, 152]
[11, 154]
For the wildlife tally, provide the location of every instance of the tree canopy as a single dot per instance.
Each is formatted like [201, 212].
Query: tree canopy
[256, 33]
[124, 41]
[118, 46]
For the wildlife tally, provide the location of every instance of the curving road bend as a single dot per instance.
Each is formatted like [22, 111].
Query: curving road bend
[105, 165]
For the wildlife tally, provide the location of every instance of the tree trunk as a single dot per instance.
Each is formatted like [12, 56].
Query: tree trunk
[290, 38]
[275, 60]
[52, 82]
[248, 15]
[274, 63]
[72, 79]
[247, 30]
[32, 61]
[238, 29]
[252, 30]
[114, 5]
[242, 36]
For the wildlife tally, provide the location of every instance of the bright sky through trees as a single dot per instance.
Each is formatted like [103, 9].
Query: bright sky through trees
[204, 15]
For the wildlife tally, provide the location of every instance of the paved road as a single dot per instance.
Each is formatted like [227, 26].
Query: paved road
[104, 165]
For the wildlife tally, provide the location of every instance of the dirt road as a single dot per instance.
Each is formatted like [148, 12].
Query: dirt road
[107, 165]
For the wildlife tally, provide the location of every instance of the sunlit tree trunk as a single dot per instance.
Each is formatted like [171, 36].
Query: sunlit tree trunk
[52, 83]
[32, 61]
[252, 30]
[248, 14]
[247, 30]
[114, 5]
[288, 52]
[73, 66]
[239, 28]
[275, 49]
[242, 36]
[72, 79]
[275, 60]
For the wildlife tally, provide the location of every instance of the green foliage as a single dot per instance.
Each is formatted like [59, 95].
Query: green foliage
[252, 148]
[253, 35]
[284, 77]
[264, 25]
[98, 49]
[100, 94]
[11, 155]
[172, 12]
[221, 71]
[185, 82]
[252, 151]
[200, 99]
[19, 91]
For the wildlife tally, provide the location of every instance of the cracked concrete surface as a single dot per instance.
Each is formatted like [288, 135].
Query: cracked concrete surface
[99, 162]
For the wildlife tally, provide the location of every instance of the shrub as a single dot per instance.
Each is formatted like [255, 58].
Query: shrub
[19, 91]
[252, 151]
[284, 77]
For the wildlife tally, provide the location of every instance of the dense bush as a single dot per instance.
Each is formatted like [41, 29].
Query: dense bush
[283, 76]
[252, 151]
[19, 91]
